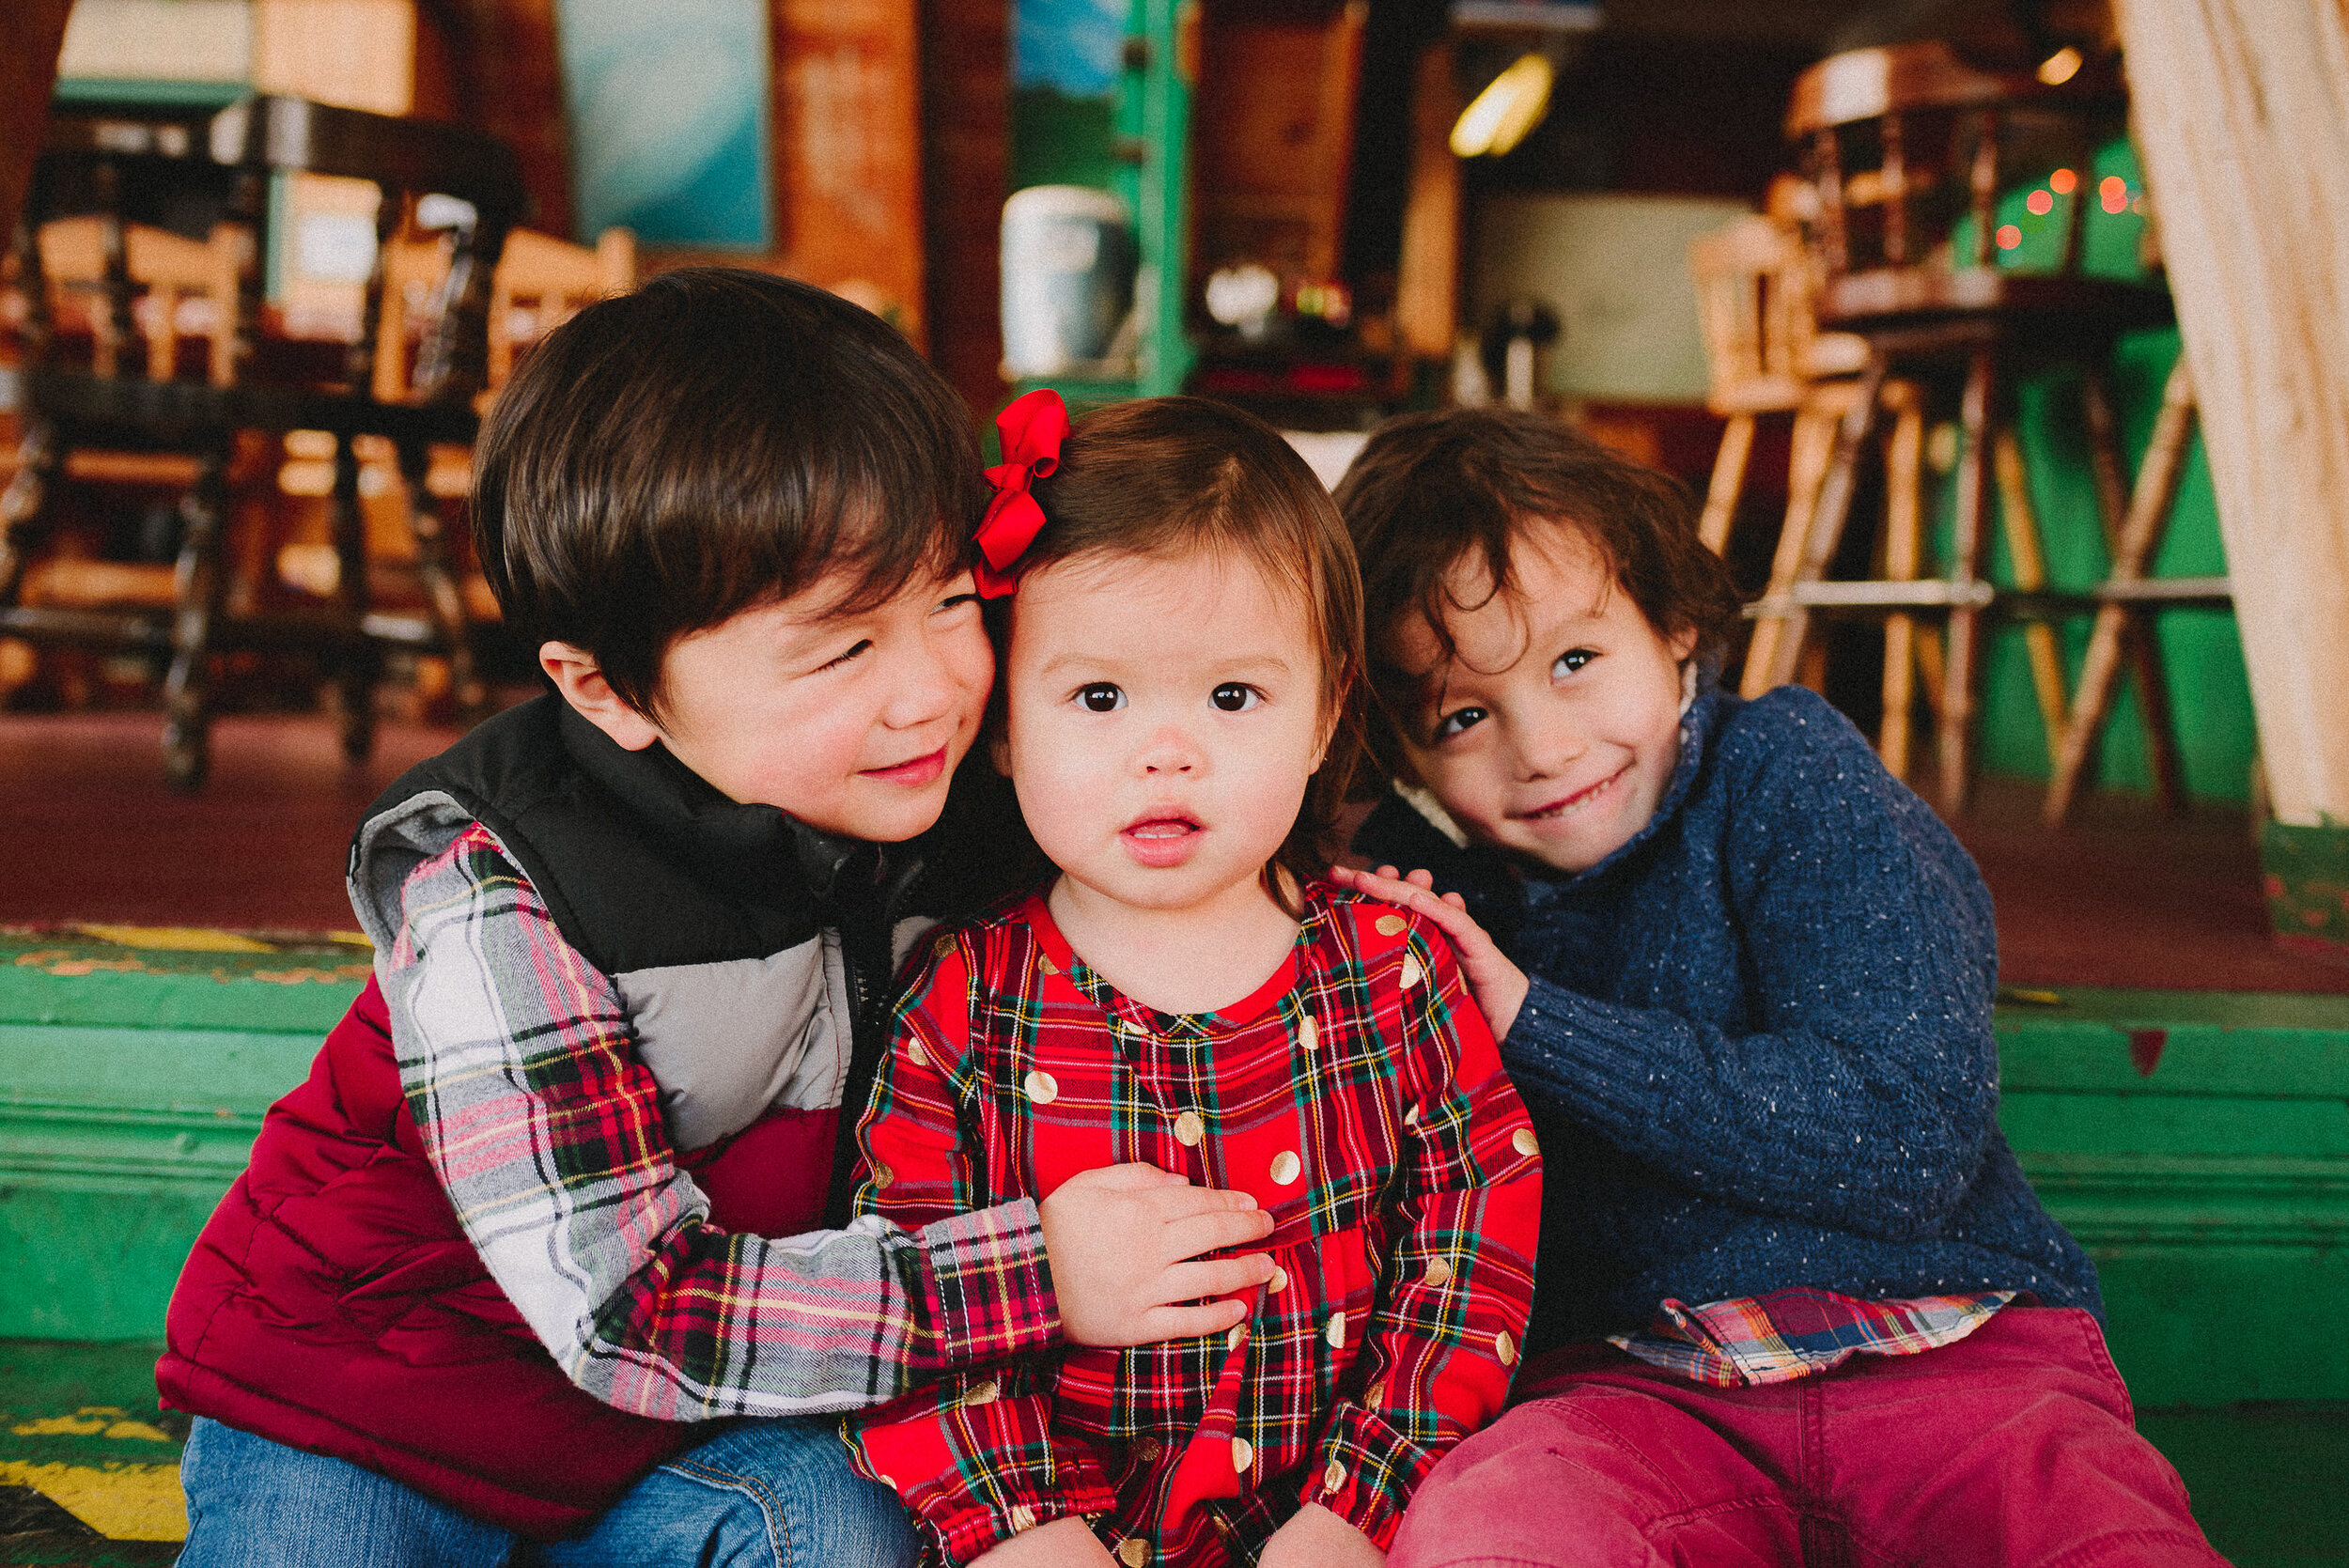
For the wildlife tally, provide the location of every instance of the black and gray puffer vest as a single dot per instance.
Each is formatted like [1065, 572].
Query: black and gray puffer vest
[753, 954]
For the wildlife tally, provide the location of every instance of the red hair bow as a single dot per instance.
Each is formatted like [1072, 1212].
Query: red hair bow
[1032, 427]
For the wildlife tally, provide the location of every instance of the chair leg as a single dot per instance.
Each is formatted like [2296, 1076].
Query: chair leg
[439, 585]
[1728, 479]
[1957, 687]
[2021, 524]
[1826, 531]
[24, 505]
[355, 672]
[2150, 502]
[187, 689]
[2140, 649]
[1904, 538]
[1813, 441]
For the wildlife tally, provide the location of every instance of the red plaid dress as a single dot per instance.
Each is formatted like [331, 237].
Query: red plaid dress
[1356, 1095]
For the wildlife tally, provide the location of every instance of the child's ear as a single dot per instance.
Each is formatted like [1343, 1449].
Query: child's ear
[581, 679]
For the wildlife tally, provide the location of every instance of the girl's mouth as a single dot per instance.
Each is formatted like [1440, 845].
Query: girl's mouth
[914, 771]
[1559, 810]
[1160, 841]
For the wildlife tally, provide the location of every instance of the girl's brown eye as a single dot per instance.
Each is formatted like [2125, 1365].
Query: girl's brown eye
[1232, 697]
[1102, 697]
[1458, 720]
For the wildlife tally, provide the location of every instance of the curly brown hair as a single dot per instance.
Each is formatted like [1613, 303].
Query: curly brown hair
[1432, 492]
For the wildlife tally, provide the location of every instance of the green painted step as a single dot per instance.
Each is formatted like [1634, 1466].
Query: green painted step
[2198, 1144]
[132, 1081]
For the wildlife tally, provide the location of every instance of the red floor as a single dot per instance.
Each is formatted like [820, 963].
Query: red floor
[88, 833]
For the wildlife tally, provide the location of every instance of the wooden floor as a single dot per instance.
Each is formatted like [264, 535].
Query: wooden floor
[2125, 898]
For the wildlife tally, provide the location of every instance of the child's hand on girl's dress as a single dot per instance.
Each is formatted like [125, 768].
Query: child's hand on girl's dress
[1062, 1543]
[1498, 985]
[1316, 1538]
[1124, 1243]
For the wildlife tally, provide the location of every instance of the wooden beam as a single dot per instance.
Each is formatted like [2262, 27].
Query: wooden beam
[30, 33]
[848, 139]
[1427, 287]
[966, 172]
[2245, 135]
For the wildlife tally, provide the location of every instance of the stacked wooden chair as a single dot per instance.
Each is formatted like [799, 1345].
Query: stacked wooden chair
[1908, 150]
[97, 169]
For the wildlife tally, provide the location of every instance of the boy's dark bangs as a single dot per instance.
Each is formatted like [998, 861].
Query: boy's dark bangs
[827, 474]
[716, 441]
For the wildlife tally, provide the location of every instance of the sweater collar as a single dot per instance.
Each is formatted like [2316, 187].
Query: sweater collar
[757, 850]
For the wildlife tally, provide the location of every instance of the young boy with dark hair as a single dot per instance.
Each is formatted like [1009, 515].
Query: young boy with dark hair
[1797, 1302]
[498, 1268]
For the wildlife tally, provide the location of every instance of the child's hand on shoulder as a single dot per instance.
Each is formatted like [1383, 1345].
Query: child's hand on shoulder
[1316, 1538]
[1062, 1543]
[1498, 985]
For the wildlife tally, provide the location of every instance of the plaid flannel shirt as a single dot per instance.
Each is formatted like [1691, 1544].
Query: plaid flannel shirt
[1356, 1095]
[545, 1128]
[1793, 1333]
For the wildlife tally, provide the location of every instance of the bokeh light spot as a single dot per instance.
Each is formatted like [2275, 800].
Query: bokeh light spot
[2039, 202]
[2009, 236]
[2063, 182]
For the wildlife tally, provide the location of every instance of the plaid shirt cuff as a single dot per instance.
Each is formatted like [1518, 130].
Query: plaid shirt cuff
[978, 1466]
[990, 1285]
[967, 1530]
[1364, 1471]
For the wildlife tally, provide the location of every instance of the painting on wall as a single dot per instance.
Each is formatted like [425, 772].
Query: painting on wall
[668, 114]
[1066, 56]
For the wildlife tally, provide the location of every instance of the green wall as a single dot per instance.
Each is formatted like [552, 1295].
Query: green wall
[2210, 695]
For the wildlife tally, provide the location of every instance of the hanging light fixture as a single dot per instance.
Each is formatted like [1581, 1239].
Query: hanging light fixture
[1512, 104]
[1537, 38]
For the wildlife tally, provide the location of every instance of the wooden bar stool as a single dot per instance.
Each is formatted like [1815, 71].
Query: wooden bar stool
[1907, 147]
[1765, 355]
[100, 164]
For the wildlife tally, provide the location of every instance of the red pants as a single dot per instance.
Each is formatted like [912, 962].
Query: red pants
[2014, 1446]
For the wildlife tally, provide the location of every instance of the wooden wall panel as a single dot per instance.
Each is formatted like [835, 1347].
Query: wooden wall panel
[2245, 133]
[966, 141]
[509, 83]
[1273, 137]
[847, 136]
[30, 31]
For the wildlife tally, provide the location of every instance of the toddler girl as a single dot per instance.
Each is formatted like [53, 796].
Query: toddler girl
[1798, 1304]
[1185, 990]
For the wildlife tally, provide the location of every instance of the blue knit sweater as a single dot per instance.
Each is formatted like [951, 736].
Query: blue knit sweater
[1758, 1048]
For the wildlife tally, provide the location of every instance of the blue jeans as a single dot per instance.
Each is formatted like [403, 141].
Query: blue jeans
[761, 1494]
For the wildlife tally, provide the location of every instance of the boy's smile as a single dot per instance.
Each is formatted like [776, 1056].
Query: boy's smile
[1557, 725]
[851, 722]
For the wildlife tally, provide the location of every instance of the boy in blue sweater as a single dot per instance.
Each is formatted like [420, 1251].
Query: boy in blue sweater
[1797, 1302]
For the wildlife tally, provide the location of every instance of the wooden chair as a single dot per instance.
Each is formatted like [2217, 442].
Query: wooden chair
[100, 163]
[1909, 149]
[1765, 355]
[540, 283]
